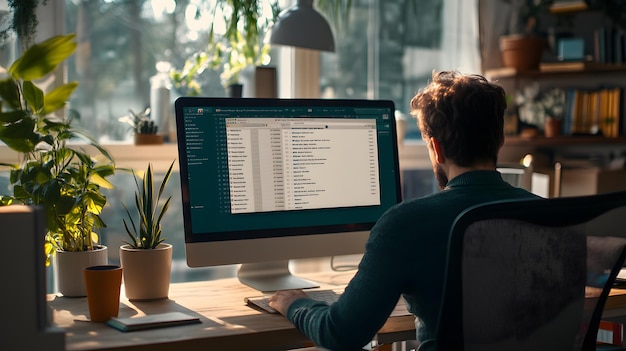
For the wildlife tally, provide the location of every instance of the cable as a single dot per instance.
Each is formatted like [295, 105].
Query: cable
[341, 268]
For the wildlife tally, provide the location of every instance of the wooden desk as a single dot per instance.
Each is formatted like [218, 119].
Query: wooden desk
[616, 303]
[227, 323]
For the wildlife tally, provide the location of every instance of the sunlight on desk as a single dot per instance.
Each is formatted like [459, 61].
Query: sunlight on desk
[227, 323]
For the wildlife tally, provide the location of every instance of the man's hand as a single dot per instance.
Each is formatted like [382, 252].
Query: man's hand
[282, 299]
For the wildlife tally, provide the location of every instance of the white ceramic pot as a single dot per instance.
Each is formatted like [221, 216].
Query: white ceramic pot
[69, 269]
[146, 272]
[401, 127]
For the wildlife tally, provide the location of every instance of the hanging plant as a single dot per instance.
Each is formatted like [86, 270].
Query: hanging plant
[23, 22]
[240, 46]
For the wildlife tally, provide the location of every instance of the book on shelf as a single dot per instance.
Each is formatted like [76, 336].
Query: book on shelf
[599, 42]
[609, 45]
[611, 333]
[568, 6]
[589, 111]
[618, 45]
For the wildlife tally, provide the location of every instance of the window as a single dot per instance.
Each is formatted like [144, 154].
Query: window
[387, 50]
[120, 44]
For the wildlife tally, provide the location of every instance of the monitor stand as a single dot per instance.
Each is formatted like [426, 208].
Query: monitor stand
[271, 276]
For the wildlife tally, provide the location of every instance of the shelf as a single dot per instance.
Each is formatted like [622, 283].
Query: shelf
[566, 6]
[556, 68]
[562, 141]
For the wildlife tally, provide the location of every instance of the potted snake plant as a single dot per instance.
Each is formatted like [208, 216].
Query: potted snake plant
[145, 258]
[65, 180]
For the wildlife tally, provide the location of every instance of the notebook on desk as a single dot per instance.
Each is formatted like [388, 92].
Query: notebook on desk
[160, 320]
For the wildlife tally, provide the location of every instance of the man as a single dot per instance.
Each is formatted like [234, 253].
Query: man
[461, 119]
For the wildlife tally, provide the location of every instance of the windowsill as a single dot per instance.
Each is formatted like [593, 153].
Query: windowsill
[125, 155]
[138, 156]
[412, 155]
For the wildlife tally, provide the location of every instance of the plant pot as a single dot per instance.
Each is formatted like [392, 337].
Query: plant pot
[69, 269]
[148, 139]
[146, 272]
[553, 127]
[522, 52]
[235, 90]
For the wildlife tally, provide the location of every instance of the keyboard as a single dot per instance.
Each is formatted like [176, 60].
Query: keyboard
[326, 295]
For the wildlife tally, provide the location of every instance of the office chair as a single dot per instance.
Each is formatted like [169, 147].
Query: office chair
[531, 274]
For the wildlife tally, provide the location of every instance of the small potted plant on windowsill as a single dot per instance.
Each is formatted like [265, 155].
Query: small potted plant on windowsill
[145, 130]
[146, 259]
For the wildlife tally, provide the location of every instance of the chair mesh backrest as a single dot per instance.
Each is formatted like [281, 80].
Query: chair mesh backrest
[524, 285]
[528, 280]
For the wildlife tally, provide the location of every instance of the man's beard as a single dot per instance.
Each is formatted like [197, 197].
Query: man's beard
[440, 176]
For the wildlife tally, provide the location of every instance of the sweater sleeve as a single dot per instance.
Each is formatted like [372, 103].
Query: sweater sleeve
[363, 308]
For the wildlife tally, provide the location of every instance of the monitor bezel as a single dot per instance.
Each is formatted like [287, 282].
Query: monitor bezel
[345, 239]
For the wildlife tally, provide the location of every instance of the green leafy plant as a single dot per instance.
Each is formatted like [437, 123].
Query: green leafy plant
[530, 14]
[239, 47]
[140, 122]
[65, 180]
[145, 233]
[185, 80]
[237, 54]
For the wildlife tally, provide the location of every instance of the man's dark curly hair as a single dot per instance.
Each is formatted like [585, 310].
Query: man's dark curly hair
[464, 113]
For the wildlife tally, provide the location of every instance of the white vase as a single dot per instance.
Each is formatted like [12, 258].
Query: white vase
[146, 272]
[401, 126]
[69, 269]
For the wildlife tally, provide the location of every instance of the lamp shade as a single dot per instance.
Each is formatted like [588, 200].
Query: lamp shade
[303, 27]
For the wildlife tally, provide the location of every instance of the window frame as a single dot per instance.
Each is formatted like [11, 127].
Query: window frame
[298, 78]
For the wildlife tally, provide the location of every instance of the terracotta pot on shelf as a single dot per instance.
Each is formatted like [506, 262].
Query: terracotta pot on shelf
[148, 139]
[522, 52]
[552, 127]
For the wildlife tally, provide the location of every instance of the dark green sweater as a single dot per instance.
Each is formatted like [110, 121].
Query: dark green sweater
[405, 255]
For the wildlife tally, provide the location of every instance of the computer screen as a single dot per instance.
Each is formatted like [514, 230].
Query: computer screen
[265, 181]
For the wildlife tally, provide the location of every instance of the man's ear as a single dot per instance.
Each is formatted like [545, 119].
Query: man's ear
[439, 157]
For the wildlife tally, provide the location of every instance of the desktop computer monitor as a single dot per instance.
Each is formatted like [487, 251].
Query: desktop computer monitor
[265, 181]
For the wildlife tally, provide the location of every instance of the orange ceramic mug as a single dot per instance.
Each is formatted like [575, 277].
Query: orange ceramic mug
[103, 291]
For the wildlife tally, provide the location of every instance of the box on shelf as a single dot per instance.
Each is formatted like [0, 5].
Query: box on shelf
[589, 181]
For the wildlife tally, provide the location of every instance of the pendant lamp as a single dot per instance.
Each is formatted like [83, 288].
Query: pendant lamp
[302, 26]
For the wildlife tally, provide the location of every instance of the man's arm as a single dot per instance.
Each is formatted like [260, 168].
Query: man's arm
[362, 309]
